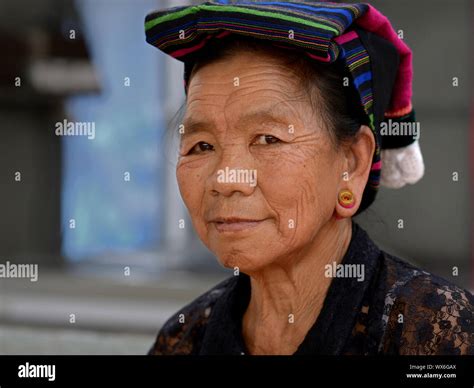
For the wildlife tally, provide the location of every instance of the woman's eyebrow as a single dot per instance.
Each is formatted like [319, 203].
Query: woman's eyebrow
[261, 115]
[192, 125]
[279, 114]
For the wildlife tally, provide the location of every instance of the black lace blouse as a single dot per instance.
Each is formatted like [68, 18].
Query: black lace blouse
[397, 309]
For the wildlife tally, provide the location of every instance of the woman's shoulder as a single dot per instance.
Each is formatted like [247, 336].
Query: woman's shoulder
[183, 332]
[424, 313]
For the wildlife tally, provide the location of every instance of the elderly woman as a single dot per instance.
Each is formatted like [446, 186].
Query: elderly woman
[281, 144]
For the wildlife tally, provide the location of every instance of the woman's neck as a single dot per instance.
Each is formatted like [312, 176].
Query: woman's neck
[286, 298]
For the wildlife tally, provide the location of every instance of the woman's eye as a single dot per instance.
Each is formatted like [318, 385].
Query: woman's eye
[201, 147]
[266, 139]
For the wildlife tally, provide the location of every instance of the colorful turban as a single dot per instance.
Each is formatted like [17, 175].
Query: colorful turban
[359, 36]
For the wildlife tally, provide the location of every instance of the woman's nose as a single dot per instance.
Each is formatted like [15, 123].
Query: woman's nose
[235, 172]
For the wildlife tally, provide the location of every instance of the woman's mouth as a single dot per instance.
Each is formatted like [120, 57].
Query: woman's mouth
[224, 225]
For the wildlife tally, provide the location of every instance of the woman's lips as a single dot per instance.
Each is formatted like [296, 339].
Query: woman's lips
[235, 225]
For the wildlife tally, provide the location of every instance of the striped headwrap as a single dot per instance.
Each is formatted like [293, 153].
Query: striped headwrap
[358, 35]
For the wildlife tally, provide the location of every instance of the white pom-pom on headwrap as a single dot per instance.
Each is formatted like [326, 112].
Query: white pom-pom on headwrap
[401, 166]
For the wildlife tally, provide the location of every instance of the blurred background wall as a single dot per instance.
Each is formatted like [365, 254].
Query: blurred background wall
[102, 217]
[436, 212]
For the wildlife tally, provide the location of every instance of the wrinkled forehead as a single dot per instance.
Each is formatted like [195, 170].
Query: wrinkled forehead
[244, 69]
[245, 84]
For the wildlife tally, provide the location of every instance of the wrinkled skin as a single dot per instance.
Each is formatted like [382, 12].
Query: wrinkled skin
[248, 112]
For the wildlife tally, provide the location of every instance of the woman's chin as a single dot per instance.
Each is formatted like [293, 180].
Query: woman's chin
[243, 263]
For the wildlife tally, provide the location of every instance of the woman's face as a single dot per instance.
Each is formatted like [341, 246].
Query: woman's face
[257, 170]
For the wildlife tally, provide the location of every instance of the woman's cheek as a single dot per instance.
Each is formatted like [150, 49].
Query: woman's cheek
[279, 181]
[280, 173]
[191, 183]
[291, 185]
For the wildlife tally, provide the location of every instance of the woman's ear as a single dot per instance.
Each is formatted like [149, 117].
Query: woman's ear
[358, 161]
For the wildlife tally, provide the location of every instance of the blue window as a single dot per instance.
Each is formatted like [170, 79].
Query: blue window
[111, 190]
